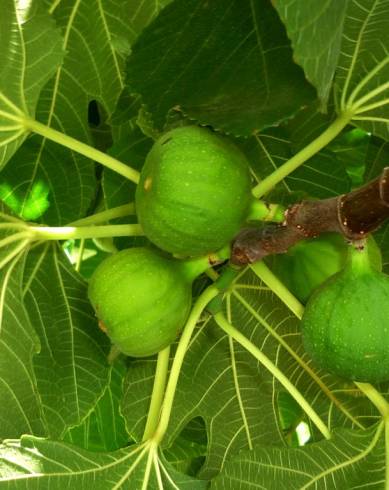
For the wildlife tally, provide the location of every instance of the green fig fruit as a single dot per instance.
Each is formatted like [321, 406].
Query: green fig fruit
[194, 192]
[142, 298]
[345, 325]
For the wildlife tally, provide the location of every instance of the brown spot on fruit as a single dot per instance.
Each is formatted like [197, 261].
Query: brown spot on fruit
[148, 183]
[102, 327]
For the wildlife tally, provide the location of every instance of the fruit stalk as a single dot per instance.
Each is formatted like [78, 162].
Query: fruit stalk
[206, 296]
[302, 156]
[160, 378]
[354, 215]
[82, 148]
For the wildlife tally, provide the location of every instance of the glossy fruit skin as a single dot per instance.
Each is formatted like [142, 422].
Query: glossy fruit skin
[142, 299]
[309, 263]
[345, 325]
[194, 192]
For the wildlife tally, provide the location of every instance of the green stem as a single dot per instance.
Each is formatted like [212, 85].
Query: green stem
[15, 238]
[193, 267]
[83, 149]
[302, 156]
[158, 393]
[371, 119]
[278, 288]
[72, 232]
[362, 83]
[8, 226]
[80, 255]
[375, 397]
[114, 353]
[12, 106]
[370, 107]
[370, 95]
[17, 250]
[13, 117]
[273, 369]
[206, 296]
[261, 211]
[103, 216]
[12, 219]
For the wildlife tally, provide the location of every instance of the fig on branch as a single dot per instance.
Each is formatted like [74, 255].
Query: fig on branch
[306, 265]
[194, 192]
[345, 325]
[142, 298]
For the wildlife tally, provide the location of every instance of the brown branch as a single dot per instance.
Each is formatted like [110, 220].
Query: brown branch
[354, 215]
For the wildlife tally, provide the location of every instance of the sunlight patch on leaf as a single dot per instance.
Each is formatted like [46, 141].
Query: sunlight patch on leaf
[32, 207]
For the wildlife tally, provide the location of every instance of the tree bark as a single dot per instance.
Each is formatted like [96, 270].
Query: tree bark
[354, 215]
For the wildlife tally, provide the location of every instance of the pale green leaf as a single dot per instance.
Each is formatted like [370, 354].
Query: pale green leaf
[351, 459]
[39, 464]
[235, 395]
[363, 68]
[20, 405]
[71, 368]
[30, 50]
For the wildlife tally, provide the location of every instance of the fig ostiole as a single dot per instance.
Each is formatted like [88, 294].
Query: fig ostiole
[142, 298]
[194, 192]
[345, 325]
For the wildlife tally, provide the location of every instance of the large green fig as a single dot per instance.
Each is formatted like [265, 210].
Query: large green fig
[142, 298]
[345, 325]
[194, 192]
[309, 263]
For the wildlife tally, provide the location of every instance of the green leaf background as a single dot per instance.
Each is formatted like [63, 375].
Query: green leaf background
[269, 74]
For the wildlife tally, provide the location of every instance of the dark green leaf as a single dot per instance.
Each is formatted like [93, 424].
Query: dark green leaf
[104, 429]
[224, 63]
[316, 34]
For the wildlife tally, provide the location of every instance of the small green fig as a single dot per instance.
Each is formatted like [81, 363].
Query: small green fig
[143, 298]
[345, 325]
